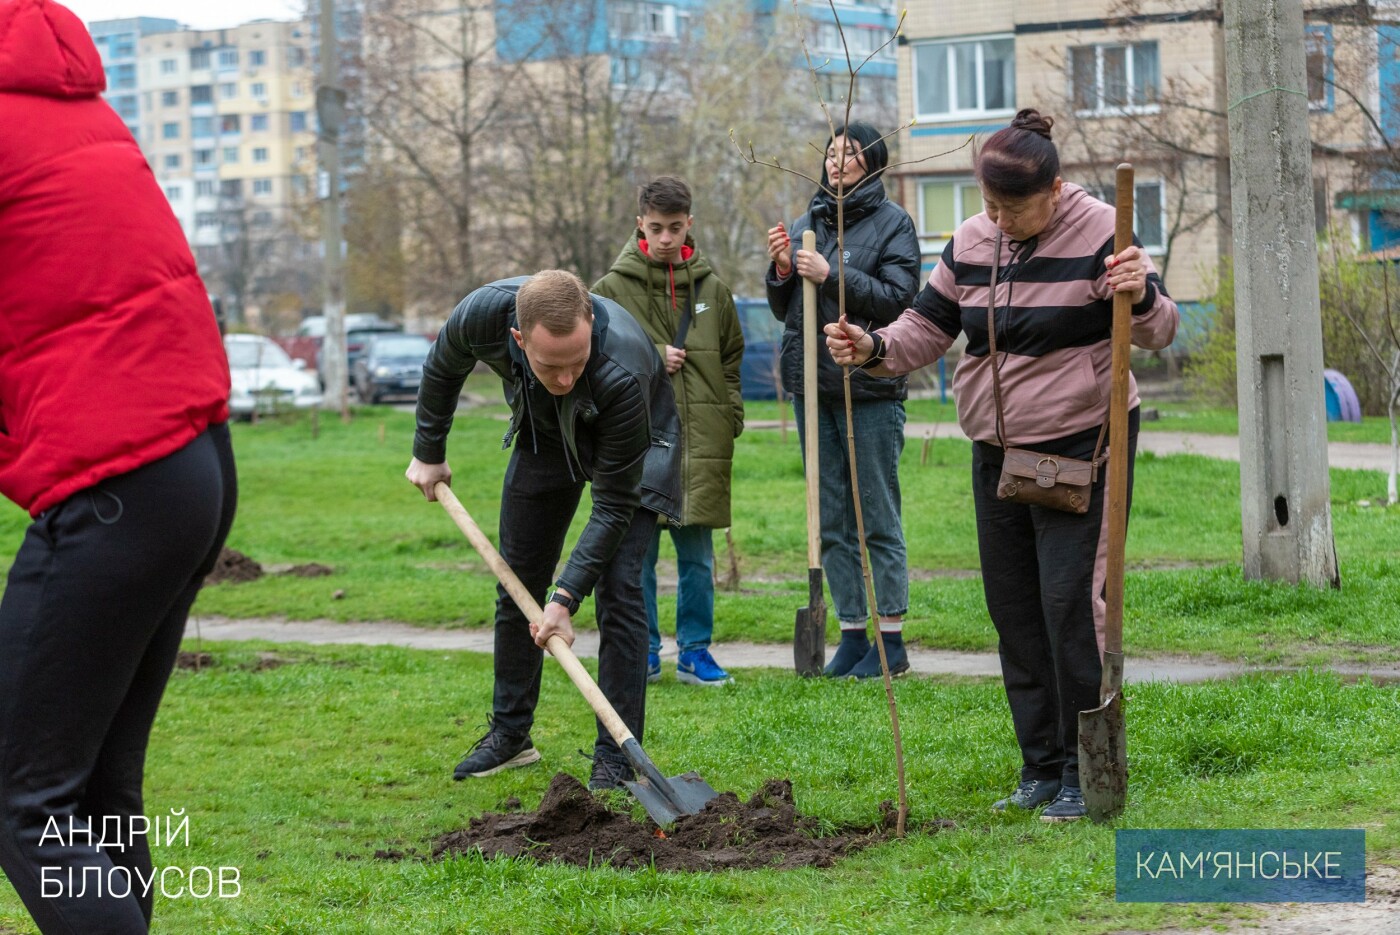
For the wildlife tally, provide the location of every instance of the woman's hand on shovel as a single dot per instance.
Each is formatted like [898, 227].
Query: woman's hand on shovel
[555, 621]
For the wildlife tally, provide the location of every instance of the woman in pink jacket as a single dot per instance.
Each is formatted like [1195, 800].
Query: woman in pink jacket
[1043, 570]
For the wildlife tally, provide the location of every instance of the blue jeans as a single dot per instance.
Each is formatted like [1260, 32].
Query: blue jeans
[878, 426]
[695, 590]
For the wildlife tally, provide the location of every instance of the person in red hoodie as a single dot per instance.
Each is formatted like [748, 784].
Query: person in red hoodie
[113, 402]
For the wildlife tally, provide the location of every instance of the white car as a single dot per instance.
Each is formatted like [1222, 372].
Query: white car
[265, 379]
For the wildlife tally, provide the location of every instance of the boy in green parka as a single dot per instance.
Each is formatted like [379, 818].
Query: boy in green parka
[663, 281]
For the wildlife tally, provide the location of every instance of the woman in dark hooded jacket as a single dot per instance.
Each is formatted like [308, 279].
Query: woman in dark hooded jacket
[881, 253]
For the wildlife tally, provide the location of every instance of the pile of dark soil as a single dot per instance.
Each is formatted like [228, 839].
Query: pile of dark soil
[195, 661]
[233, 566]
[309, 570]
[574, 827]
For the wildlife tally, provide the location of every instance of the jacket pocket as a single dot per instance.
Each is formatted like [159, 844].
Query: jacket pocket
[661, 473]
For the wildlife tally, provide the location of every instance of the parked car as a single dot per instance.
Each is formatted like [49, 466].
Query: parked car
[391, 365]
[355, 343]
[265, 379]
[763, 336]
[314, 326]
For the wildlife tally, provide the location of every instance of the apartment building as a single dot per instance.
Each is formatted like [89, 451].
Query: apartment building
[1144, 84]
[229, 123]
[118, 43]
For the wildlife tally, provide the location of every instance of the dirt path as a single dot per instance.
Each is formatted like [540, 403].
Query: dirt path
[730, 655]
[1359, 455]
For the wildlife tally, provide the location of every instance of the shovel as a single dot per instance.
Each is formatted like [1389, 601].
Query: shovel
[809, 632]
[1103, 741]
[664, 799]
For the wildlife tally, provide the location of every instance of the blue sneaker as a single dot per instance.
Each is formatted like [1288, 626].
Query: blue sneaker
[653, 667]
[698, 667]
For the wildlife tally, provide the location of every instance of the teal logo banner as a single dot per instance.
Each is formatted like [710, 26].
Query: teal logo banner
[1248, 865]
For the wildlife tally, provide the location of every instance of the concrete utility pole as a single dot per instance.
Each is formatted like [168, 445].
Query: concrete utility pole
[1278, 318]
[330, 116]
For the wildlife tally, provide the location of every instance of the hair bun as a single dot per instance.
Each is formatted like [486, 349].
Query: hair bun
[1032, 120]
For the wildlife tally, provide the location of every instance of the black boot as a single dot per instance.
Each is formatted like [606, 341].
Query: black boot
[849, 652]
[898, 659]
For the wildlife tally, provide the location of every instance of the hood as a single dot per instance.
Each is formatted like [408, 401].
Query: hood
[634, 264]
[45, 49]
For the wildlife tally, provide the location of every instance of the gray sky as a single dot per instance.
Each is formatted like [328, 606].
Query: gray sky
[199, 14]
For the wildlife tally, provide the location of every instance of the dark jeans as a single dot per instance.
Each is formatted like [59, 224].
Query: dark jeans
[537, 506]
[90, 623]
[878, 427]
[1043, 574]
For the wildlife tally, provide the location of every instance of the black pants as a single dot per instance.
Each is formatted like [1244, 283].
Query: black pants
[537, 506]
[90, 623]
[1043, 575]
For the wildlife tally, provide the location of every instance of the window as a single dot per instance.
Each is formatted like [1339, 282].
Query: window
[1110, 77]
[206, 219]
[204, 188]
[973, 78]
[172, 193]
[256, 58]
[259, 90]
[203, 157]
[301, 185]
[126, 107]
[199, 59]
[172, 161]
[259, 154]
[170, 131]
[1317, 44]
[298, 89]
[230, 155]
[628, 19]
[201, 126]
[122, 77]
[299, 153]
[296, 57]
[298, 121]
[228, 89]
[228, 58]
[262, 218]
[170, 99]
[1149, 213]
[259, 122]
[262, 186]
[168, 66]
[229, 123]
[231, 188]
[943, 205]
[202, 94]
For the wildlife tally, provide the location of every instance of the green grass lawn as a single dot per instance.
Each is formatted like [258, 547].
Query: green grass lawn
[341, 499]
[297, 774]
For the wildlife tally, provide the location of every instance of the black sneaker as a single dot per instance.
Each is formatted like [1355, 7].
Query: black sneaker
[609, 772]
[1068, 806]
[849, 652]
[495, 752]
[1029, 794]
[869, 667]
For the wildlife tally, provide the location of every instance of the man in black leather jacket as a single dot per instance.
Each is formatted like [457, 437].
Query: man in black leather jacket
[590, 401]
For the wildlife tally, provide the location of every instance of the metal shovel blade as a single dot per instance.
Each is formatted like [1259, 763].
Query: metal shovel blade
[809, 641]
[685, 794]
[1103, 753]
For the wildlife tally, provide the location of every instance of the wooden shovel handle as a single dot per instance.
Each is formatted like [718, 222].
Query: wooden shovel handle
[1117, 494]
[557, 647]
[811, 335]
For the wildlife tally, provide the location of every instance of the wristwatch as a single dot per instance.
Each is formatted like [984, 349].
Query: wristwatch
[571, 604]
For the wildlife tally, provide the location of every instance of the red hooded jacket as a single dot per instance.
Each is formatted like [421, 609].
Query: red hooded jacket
[110, 356]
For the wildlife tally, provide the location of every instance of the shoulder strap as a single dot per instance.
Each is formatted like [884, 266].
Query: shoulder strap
[992, 338]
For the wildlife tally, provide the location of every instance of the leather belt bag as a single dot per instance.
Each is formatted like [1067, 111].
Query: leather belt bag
[1034, 477]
